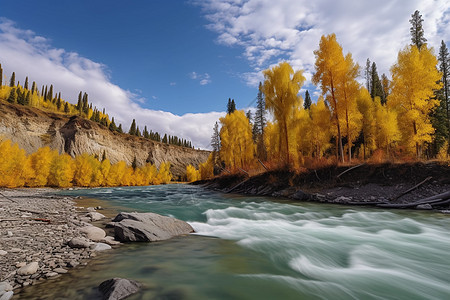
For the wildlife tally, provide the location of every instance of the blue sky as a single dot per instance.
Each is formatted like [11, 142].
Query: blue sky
[172, 65]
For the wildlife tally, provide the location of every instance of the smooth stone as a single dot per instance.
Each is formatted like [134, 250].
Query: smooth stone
[110, 241]
[90, 209]
[72, 264]
[100, 247]
[7, 295]
[9, 233]
[118, 288]
[21, 264]
[424, 206]
[79, 243]
[148, 227]
[95, 216]
[60, 270]
[51, 274]
[5, 287]
[29, 269]
[3, 252]
[93, 233]
[15, 250]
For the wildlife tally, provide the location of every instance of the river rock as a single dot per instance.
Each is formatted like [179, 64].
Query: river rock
[29, 269]
[118, 288]
[3, 252]
[300, 195]
[79, 243]
[100, 247]
[7, 295]
[110, 241]
[93, 233]
[95, 216]
[424, 206]
[60, 270]
[147, 227]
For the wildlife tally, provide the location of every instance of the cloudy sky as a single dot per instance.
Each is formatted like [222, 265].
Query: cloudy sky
[172, 65]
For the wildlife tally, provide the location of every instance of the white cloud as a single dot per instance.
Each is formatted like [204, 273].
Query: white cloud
[202, 78]
[270, 31]
[28, 54]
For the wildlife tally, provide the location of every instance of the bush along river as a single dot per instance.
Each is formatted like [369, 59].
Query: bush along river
[262, 248]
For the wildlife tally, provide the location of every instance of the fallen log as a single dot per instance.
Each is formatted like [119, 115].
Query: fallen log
[237, 185]
[264, 166]
[433, 200]
[352, 168]
[412, 189]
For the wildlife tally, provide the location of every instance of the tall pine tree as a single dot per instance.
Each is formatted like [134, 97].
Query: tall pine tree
[132, 130]
[308, 102]
[12, 81]
[26, 83]
[376, 87]
[1, 76]
[444, 67]
[416, 30]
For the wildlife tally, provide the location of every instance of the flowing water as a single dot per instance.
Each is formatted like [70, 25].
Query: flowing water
[261, 248]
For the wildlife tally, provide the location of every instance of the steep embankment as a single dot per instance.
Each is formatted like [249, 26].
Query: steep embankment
[32, 128]
[404, 185]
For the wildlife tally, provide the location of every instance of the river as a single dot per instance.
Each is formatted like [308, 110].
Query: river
[262, 248]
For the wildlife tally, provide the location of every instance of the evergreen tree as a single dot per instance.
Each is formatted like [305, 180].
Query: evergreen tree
[119, 129]
[308, 102]
[104, 155]
[231, 106]
[416, 30]
[376, 87]
[1, 76]
[138, 132]
[12, 96]
[134, 164]
[85, 104]
[368, 75]
[12, 81]
[33, 87]
[385, 83]
[26, 83]
[164, 139]
[444, 67]
[28, 98]
[112, 125]
[145, 133]
[20, 96]
[80, 102]
[42, 92]
[132, 130]
[248, 114]
[58, 102]
[45, 94]
[66, 108]
[215, 138]
[50, 93]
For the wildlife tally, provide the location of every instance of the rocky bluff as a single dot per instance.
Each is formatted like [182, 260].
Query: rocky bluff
[32, 128]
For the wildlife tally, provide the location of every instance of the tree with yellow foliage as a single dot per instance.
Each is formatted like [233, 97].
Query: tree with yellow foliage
[414, 80]
[271, 141]
[237, 149]
[330, 65]
[115, 173]
[84, 170]
[164, 175]
[281, 87]
[61, 172]
[320, 124]
[206, 169]
[386, 127]
[192, 174]
[15, 168]
[41, 161]
[150, 173]
[367, 108]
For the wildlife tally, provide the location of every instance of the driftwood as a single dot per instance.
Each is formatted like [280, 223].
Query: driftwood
[412, 189]
[8, 198]
[42, 220]
[264, 166]
[354, 167]
[237, 185]
[433, 200]
[31, 211]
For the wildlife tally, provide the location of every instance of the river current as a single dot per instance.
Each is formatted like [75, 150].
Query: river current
[262, 248]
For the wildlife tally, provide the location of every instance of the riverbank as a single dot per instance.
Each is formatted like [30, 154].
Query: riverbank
[406, 185]
[36, 230]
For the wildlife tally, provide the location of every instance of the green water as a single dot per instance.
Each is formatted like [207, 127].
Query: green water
[258, 248]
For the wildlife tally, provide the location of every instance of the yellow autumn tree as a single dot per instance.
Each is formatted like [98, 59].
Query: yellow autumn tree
[115, 173]
[237, 148]
[414, 80]
[320, 124]
[84, 169]
[271, 141]
[281, 87]
[61, 172]
[41, 161]
[164, 175]
[105, 166]
[367, 108]
[192, 174]
[15, 168]
[206, 169]
[385, 124]
[150, 173]
[330, 65]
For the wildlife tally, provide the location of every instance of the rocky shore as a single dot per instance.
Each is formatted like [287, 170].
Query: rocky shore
[42, 236]
[418, 185]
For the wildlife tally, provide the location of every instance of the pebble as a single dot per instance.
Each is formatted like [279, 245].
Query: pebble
[60, 270]
[29, 269]
[3, 252]
[101, 247]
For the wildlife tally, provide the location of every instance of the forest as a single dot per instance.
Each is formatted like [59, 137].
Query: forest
[404, 118]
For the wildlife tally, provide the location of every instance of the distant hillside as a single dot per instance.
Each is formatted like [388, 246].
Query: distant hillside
[32, 128]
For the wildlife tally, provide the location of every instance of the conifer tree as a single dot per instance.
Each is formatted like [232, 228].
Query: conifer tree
[20, 96]
[132, 130]
[25, 86]
[417, 35]
[42, 92]
[112, 125]
[385, 83]
[260, 124]
[164, 139]
[307, 103]
[12, 96]
[376, 87]
[45, 94]
[444, 67]
[368, 75]
[215, 138]
[58, 102]
[33, 87]
[28, 98]
[138, 132]
[12, 81]
[134, 163]
[145, 133]
[231, 106]
[119, 129]
[50, 93]
[79, 103]
[66, 108]
[104, 156]
[1, 76]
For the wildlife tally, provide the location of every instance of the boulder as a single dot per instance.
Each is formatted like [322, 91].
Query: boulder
[118, 288]
[29, 269]
[7, 295]
[147, 227]
[95, 216]
[5, 287]
[93, 233]
[79, 243]
[100, 247]
[425, 206]
[110, 241]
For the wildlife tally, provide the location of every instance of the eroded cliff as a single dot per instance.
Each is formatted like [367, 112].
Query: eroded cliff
[32, 128]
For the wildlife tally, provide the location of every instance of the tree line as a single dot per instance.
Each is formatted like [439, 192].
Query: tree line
[47, 99]
[47, 167]
[405, 117]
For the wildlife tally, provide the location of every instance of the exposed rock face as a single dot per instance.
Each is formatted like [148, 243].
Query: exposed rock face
[118, 288]
[147, 227]
[32, 129]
